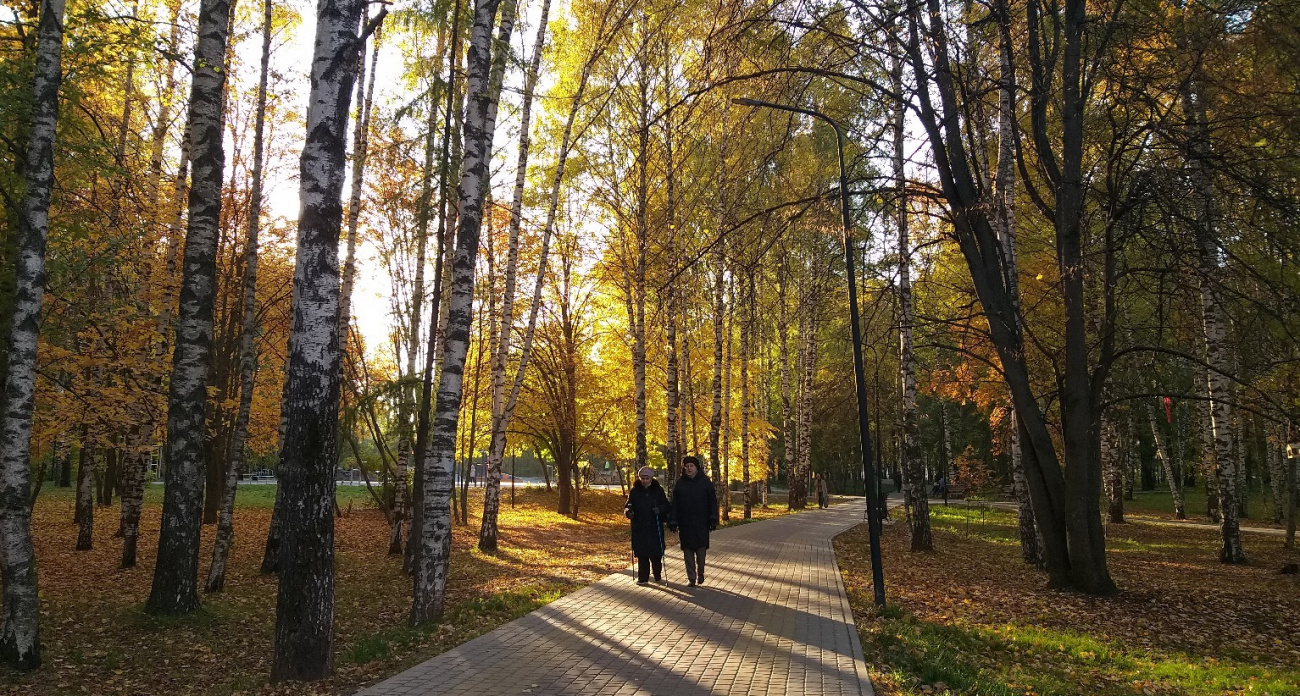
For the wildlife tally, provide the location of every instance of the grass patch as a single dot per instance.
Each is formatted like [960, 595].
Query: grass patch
[972, 619]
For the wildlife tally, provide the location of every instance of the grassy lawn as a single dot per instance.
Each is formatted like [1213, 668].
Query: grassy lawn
[97, 639]
[972, 618]
[1159, 503]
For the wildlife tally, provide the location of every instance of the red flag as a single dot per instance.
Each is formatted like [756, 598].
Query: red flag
[1169, 417]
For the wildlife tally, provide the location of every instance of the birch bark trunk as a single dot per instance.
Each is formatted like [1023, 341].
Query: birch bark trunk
[1162, 453]
[715, 417]
[85, 512]
[360, 149]
[1217, 353]
[746, 336]
[503, 405]
[433, 345]
[435, 539]
[915, 500]
[1110, 461]
[304, 628]
[247, 345]
[175, 579]
[20, 634]
[797, 495]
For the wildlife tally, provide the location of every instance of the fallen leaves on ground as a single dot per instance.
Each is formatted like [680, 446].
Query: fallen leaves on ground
[97, 639]
[973, 618]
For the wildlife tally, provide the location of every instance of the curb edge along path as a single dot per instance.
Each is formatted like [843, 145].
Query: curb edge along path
[772, 619]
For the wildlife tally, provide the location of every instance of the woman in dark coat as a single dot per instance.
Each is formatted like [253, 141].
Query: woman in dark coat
[647, 507]
[695, 514]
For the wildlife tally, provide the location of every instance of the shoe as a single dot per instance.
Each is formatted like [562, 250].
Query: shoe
[700, 581]
[690, 583]
[640, 582]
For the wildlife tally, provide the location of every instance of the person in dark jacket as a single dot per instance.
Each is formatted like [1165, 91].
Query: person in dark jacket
[647, 506]
[695, 514]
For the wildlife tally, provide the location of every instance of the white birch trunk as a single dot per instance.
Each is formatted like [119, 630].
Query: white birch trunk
[715, 417]
[360, 149]
[435, 535]
[304, 629]
[1162, 453]
[746, 351]
[175, 579]
[20, 634]
[797, 495]
[247, 345]
[915, 499]
[1217, 355]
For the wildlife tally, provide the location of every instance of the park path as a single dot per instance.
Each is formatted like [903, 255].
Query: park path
[772, 619]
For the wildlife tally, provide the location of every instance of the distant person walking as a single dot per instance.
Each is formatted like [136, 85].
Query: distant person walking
[823, 498]
[695, 514]
[647, 507]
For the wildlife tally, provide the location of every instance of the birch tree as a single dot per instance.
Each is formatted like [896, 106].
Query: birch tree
[175, 579]
[480, 123]
[20, 635]
[247, 344]
[304, 626]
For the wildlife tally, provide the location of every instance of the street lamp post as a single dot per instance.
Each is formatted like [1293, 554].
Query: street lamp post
[859, 372]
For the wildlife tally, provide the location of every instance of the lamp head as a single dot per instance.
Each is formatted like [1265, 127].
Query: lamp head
[745, 101]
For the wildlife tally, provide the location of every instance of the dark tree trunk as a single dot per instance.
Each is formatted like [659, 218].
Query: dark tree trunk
[175, 580]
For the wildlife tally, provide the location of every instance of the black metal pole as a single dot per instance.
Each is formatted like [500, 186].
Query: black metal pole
[859, 371]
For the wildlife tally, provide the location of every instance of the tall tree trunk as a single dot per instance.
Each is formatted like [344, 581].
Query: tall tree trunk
[1110, 461]
[434, 344]
[304, 627]
[435, 535]
[247, 345]
[85, 497]
[1162, 453]
[1217, 353]
[746, 338]
[175, 579]
[796, 492]
[360, 150]
[808, 329]
[137, 464]
[915, 499]
[725, 499]
[1276, 449]
[715, 417]
[636, 290]
[503, 405]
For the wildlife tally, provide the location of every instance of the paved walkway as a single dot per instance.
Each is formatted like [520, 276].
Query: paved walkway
[772, 619]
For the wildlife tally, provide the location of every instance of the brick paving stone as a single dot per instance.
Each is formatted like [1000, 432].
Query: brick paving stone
[772, 619]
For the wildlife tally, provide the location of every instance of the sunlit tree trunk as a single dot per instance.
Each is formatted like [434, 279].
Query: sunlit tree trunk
[746, 351]
[304, 627]
[360, 148]
[434, 344]
[637, 289]
[808, 331]
[20, 632]
[175, 579]
[85, 512]
[797, 495]
[430, 583]
[715, 417]
[247, 343]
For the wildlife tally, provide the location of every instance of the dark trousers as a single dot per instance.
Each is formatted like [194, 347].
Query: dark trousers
[694, 564]
[643, 564]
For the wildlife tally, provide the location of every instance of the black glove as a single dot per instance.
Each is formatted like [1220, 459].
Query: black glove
[627, 512]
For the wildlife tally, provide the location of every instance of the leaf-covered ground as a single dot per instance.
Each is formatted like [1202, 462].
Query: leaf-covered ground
[96, 638]
[972, 618]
